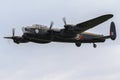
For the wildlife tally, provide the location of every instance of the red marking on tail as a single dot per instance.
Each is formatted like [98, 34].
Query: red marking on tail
[111, 33]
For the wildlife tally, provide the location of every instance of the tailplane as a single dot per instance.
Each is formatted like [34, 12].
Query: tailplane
[112, 31]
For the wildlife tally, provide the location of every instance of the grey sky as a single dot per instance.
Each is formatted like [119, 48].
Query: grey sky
[58, 61]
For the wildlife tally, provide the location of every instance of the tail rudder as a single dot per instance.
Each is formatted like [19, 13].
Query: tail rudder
[113, 31]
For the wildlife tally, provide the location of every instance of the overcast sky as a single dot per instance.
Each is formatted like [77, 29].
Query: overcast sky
[58, 61]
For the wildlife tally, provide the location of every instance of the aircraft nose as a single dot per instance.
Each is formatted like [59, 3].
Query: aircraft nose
[25, 30]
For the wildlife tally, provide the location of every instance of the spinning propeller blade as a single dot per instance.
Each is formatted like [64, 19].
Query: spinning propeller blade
[13, 32]
[13, 35]
[64, 20]
[51, 25]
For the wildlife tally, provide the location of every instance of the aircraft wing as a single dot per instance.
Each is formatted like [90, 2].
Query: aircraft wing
[92, 23]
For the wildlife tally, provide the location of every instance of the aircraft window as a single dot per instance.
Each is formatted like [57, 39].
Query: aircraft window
[27, 29]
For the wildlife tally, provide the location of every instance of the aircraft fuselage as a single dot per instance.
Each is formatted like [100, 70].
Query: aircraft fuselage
[82, 38]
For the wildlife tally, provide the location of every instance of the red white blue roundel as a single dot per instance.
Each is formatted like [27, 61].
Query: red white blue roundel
[111, 33]
[79, 37]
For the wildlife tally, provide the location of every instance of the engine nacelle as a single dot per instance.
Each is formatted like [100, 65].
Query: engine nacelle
[18, 40]
[69, 27]
[67, 34]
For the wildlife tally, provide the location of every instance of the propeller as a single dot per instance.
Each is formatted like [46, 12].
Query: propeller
[13, 35]
[13, 32]
[66, 26]
[64, 20]
[50, 31]
[51, 25]
[16, 39]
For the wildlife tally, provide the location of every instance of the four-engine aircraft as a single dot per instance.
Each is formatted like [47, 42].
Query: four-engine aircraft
[69, 34]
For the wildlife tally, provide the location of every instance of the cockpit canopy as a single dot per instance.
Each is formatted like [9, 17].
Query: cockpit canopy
[35, 27]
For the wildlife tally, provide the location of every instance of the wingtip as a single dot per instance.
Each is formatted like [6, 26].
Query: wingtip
[110, 15]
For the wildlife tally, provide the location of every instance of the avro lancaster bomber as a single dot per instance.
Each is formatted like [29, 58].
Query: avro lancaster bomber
[69, 34]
